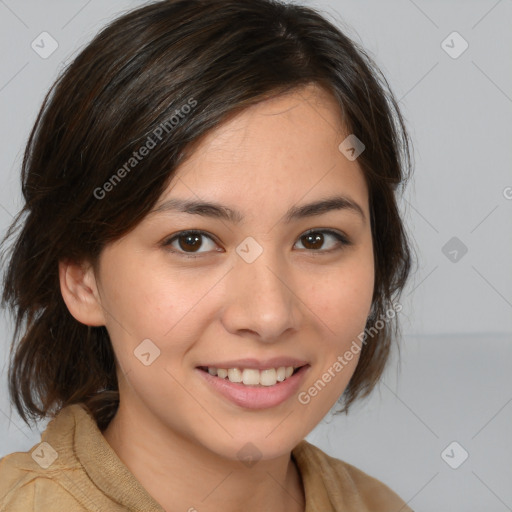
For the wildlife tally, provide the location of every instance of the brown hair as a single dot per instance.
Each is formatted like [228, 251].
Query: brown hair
[134, 76]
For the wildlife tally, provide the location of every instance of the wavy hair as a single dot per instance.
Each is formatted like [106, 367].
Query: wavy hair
[129, 80]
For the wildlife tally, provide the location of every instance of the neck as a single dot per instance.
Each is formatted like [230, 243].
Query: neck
[182, 475]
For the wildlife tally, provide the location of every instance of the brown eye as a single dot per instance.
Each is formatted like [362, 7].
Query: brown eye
[314, 240]
[189, 242]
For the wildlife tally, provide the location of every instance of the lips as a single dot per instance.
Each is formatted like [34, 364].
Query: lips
[254, 396]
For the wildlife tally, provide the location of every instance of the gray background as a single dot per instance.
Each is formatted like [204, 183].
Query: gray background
[455, 378]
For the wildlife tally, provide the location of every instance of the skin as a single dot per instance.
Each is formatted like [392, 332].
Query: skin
[310, 301]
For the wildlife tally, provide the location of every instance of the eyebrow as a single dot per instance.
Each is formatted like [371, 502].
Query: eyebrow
[219, 211]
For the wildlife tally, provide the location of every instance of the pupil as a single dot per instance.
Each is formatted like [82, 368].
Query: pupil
[312, 238]
[191, 241]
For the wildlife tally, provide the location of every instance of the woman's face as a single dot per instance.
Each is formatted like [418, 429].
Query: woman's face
[253, 290]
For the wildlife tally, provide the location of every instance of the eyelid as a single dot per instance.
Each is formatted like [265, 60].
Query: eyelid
[341, 237]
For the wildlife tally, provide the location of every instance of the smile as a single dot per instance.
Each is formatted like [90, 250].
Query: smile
[253, 388]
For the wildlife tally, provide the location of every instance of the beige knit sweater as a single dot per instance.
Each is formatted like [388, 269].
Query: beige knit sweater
[75, 469]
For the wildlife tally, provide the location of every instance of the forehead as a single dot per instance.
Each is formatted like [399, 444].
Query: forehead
[278, 151]
[302, 112]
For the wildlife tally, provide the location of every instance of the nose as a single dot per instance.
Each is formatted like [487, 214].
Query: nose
[261, 299]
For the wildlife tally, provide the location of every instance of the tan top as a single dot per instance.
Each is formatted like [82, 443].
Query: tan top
[78, 470]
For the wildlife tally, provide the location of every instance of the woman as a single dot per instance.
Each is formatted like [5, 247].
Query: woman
[209, 257]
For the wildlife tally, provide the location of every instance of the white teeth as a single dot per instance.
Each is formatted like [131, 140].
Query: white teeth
[253, 377]
[281, 373]
[268, 377]
[234, 375]
[250, 377]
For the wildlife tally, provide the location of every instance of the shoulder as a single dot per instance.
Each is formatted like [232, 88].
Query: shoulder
[72, 469]
[23, 487]
[42, 478]
[347, 487]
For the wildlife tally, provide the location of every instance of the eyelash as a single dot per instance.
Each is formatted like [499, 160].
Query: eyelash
[343, 240]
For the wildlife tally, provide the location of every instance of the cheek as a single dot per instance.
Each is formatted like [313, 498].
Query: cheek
[342, 300]
[145, 300]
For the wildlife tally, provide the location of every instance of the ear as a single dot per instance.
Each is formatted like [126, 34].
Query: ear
[80, 292]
